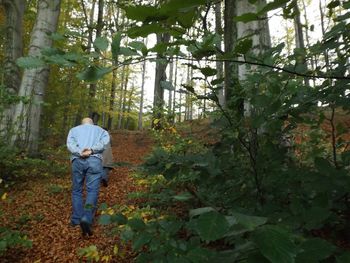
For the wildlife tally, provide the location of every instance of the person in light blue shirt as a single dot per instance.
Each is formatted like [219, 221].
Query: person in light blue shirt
[86, 143]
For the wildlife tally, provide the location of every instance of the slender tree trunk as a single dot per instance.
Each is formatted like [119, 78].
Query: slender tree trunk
[99, 27]
[231, 70]
[123, 99]
[158, 98]
[186, 95]
[34, 81]
[170, 94]
[299, 36]
[219, 64]
[14, 10]
[128, 118]
[113, 84]
[308, 39]
[111, 100]
[142, 94]
[175, 84]
[120, 93]
[68, 93]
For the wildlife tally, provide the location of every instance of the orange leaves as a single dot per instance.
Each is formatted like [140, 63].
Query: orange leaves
[42, 207]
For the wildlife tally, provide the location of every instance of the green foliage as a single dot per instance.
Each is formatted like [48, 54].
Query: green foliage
[10, 238]
[89, 253]
[30, 62]
[269, 188]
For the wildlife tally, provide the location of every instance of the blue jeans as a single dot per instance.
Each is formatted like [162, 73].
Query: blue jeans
[89, 170]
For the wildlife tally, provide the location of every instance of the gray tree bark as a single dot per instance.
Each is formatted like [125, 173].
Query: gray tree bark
[14, 10]
[260, 35]
[34, 81]
[161, 65]
[140, 123]
[219, 64]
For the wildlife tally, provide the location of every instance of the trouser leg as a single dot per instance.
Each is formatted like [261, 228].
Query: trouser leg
[93, 180]
[77, 191]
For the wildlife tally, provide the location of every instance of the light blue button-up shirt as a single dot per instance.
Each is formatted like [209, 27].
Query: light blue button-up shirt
[87, 136]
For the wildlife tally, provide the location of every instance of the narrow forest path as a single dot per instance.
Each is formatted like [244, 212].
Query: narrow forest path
[42, 208]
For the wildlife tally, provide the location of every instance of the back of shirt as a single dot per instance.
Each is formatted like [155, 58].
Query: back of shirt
[87, 136]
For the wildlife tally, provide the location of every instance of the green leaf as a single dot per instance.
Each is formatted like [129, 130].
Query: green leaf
[275, 244]
[211, 226]
[247, 17]
[273, 5]
[344, 258]
[208, 71]
[59, 60]
[244, 46]
[333, 4]
[136, 224]
[101, 43]
[143, 239]
[93, 73]
[185, 196]
[138, 45]
[199, 211]
[187, 19]
[145, 30]
[116, 45]
[324, 166]
[104, 219]
[160, 48]
[57, 36]
[128, 52]
[315, 217]
[217, 81]
[140, 12]
[30, 62]
[314, 250]
[200, 254]
[249, 222]
[119, 218]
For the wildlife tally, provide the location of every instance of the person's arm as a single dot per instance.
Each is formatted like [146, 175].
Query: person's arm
[72, 144]
[100, 146]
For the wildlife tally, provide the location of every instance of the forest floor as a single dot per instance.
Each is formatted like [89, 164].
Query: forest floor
[41, 208]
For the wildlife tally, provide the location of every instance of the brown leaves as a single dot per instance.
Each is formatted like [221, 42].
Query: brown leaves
[42, 208]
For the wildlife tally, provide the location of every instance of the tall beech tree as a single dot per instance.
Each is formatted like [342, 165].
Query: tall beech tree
[26, 119]
[14, 11]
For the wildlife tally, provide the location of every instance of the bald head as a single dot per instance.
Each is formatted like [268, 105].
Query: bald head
[87, 121]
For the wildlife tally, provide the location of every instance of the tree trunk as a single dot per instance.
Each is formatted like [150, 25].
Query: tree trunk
[34, 81]
[142, 94]
[113, 84]
[219, 64]
[175, 84]
[170, 94]
[260, 37]
[230, 37]
[299, 37]
[14, 10]
[124, 90]
[129, 107]
[111, 100]
[158, 97]
[99, 27]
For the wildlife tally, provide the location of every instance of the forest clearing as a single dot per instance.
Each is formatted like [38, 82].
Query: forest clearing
[228, 122]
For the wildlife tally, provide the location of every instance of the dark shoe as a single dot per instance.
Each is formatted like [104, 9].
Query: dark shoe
[85, 228]
[73, 225]
[104, 182]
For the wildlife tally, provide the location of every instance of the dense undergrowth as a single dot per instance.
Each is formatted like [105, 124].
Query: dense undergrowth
[211, 203]
[16, 169]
